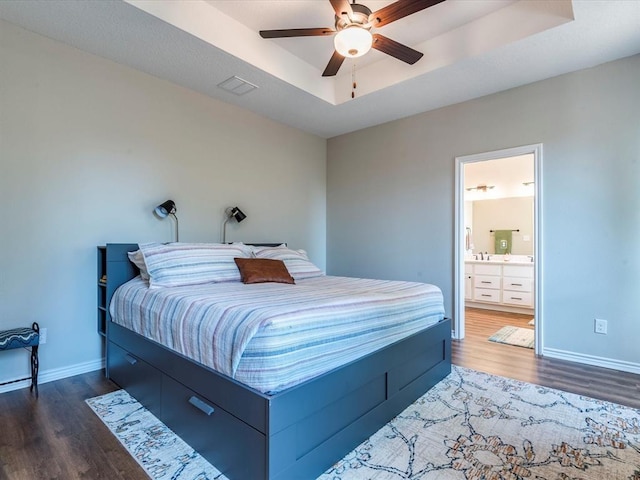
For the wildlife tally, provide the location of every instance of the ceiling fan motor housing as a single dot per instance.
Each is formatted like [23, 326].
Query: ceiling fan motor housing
[360, 18]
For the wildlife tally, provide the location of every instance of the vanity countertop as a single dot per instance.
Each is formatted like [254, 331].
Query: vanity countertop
[518, 260]
[501, 262]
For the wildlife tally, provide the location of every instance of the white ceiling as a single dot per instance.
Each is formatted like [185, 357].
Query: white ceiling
[316, 51]
[472, 48]
[506, 175]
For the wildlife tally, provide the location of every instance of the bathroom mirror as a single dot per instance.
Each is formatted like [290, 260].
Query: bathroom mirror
[490, 215]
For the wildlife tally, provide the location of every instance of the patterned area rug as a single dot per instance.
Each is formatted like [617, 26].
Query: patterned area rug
[472, 426]
[520, 337]
[159, 451]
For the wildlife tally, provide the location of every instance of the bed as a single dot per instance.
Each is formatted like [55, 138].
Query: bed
[277, 426]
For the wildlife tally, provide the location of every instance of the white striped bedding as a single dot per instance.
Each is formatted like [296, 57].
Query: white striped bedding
[271, 336]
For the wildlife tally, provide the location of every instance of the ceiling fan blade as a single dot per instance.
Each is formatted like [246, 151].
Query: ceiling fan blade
[341, 7]
[296, 32]
[398, 10]
[395, 49]
[334, 65]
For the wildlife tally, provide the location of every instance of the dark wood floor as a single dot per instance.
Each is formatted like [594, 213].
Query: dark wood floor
[58, 436]
[522, 364]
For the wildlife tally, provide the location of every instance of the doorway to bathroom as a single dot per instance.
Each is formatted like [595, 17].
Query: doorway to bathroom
[498, 246]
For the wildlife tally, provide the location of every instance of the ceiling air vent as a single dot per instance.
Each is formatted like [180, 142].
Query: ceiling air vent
[237, 85]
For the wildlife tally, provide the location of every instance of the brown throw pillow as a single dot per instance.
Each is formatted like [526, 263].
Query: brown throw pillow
[262, 270]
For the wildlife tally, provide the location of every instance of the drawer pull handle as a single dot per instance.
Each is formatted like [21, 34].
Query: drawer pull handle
[516, 284]
[516, 298]
[132, 360]
[484, 281]
[486, 295]
[200, 405]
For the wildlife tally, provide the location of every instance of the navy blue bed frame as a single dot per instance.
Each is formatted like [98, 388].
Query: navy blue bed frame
[296, 434]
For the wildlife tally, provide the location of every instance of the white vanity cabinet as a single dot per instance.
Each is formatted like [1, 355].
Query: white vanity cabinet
[468, 281]
[499, 286]
[487, 280]
[517, 285]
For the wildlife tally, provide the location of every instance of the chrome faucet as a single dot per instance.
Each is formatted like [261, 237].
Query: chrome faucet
[481, 257]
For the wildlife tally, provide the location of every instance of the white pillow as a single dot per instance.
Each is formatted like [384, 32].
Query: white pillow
[296, 261]
[138, 260]
[181, 264]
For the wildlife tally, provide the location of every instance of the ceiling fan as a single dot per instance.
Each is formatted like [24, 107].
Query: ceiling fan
[353, 31]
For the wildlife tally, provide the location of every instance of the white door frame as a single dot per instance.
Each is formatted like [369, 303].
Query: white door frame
[458, 287]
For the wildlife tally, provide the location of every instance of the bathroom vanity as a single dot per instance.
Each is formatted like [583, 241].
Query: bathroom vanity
[499, 284]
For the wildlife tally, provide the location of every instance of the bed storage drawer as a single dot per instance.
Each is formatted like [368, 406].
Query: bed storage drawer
[136, 376]
[235, 448]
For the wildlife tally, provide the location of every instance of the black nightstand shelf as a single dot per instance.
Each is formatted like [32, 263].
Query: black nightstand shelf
[102, 290]
[114, 268]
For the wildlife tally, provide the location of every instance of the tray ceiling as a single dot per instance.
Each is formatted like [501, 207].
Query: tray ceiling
[472, 48]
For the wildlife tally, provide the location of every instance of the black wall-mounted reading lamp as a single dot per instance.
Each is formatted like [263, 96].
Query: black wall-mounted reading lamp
[231, 212]
[165, 209]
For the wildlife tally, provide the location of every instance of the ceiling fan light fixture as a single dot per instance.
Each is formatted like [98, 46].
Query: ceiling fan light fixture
[353, 41]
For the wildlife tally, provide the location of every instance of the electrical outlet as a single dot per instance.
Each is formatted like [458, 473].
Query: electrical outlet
[600, 326]
[43, 336]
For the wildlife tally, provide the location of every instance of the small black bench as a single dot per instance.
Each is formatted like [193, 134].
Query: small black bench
[23, 338]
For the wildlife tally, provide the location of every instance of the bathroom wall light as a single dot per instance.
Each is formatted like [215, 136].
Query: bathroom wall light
[165, 209]
[481, 188]
[231, 212]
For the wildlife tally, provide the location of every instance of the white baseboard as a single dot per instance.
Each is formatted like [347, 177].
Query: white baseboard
[619, 365]
[45, 376]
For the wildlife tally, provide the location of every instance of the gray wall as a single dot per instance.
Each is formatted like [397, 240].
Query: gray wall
[390, 199]
[88, 148]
